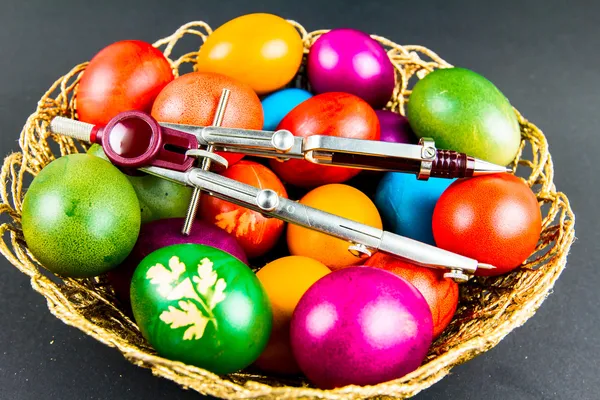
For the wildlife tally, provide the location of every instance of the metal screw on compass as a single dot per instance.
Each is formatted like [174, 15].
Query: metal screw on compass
[206, 163]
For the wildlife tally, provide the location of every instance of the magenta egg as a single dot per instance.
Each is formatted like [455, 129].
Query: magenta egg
[395, 128]
[165, 232]
[360, 326]
[347, 60]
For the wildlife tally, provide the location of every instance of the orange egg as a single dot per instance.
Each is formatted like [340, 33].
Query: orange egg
[193, 98]
[285, 280]
[342, 200]
[261, 50]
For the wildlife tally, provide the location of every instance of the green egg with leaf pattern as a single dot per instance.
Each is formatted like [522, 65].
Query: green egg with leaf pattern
[201, 306]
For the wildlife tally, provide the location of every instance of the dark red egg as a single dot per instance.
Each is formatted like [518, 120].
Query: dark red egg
[441, 293]
[255, 233]
[329, 114]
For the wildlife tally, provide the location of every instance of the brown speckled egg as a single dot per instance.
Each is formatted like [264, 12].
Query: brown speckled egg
[192, 99]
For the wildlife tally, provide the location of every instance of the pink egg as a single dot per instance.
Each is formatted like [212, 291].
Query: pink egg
[347, 60]
[165, 232]
[361, 326]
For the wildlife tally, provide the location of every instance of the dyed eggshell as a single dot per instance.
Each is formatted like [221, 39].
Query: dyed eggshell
[463, 111]
[406, 204]
[166, 232]
[329, 114]
[80, 216]
[254, 232]
[158, 197]
[441, 293]
[277, 105]
[123, 76]
[201, 306]
[494, 219]
[285, 280]
[360, 326]
[193, 98]
[342, 200]
[261, 50]
[395, 128]
[347, 60]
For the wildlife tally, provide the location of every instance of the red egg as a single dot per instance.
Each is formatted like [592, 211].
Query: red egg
[441, 293]
[254, 232]
[124, 76]
[494, 219]
[329, 114]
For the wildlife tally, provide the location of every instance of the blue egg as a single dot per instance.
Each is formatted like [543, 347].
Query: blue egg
[406, 204]
[277, 105]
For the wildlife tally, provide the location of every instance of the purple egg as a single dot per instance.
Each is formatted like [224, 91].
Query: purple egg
[395, 128]
[360, 326]
[347, 60]
[165, 232]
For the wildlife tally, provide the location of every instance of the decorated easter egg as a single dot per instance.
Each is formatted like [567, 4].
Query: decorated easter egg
[360, 326]
[261, 50]
[201, 306]
[463, 111]
[277, 105]
[342, 200]
[329, 114]
[395, 128]
[80, 216]
[193, 98]
[285, 280]
[158, 197]
[494, 219]
[166, 232]
[124, 76]
[406, 204]
[347, 60]
[256, 233]
[440, 293]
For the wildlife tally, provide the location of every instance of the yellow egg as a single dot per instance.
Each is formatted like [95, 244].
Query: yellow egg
[285, 280]
[261, 50]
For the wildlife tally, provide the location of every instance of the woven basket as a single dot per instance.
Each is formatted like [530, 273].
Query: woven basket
[489, 308]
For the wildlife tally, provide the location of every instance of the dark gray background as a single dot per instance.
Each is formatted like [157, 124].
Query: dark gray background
[542, 54]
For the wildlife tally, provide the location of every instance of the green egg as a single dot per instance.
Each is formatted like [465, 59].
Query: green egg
[463, 111]
[159, 198]
[80, 216]
[201, 306]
